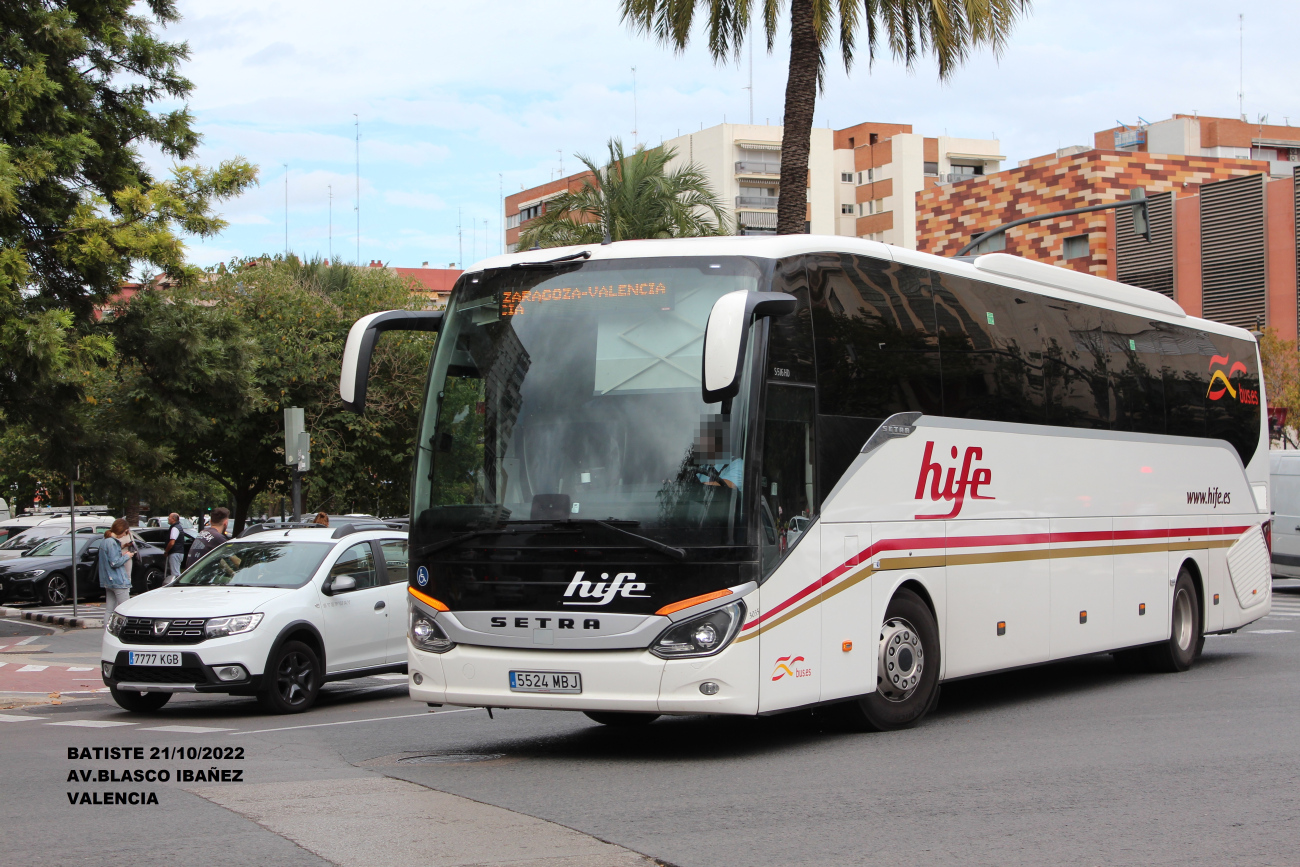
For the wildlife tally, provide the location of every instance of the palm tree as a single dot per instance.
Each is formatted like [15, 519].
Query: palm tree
[631, 197]
[947, 29]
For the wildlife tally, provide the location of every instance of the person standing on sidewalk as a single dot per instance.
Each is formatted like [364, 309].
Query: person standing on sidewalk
[113, 560]
[175, 550]
[212, 536]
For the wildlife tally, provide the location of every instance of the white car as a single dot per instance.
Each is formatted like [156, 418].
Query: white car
[274, 613]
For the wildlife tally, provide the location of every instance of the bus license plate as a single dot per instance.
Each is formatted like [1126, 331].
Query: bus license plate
[153, 658]
[545, 681]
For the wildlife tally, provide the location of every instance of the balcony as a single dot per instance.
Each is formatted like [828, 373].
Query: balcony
[1130, 138]
[762, 202]
[750, 220]
[755, 167]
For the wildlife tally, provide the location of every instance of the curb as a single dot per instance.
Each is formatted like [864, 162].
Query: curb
[55, 619]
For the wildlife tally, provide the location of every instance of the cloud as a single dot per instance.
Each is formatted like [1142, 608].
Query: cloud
[422, 201]
[273, 53]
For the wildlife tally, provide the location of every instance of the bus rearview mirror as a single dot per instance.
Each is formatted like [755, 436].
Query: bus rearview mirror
[726, 335]
[361, 345]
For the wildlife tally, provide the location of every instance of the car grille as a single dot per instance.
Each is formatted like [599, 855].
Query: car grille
[140, 630]
[155, 674]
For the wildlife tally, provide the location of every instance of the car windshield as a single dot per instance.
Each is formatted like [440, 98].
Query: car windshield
[257, 564]
[30, 538]
[573, 392]
[56, 547]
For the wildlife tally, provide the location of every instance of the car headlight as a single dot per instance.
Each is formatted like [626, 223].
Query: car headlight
[700, 636]
[34, 573]
[426, 634]
[219, 627]
[116, 623]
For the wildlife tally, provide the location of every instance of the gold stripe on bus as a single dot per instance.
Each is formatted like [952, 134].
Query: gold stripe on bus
[894, 564]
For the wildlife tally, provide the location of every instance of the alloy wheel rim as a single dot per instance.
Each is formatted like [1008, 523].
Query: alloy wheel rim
[294, 678]
[56, 589]
[901, 660]
[1183, 620]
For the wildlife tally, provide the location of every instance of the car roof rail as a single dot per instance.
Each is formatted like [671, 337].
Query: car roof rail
[279, 525]
[359, 527]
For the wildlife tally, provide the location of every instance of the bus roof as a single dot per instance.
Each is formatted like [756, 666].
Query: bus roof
[1001, 268]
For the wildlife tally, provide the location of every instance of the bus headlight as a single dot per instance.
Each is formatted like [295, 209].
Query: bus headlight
[426, 634]
[700, 636]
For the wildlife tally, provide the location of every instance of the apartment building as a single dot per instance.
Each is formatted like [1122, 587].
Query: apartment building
[1192, 135]
[862, 180]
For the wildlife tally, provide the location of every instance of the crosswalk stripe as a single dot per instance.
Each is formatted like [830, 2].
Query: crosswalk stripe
[90, 723]
[33, 668]
[9, 717]
[193, 730]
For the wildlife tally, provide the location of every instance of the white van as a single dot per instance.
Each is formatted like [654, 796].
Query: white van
[1284, 484]
[5, 514]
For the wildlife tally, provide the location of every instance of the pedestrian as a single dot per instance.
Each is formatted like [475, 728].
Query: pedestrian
[113, 559]
[175, 550]
[213, 535]
[321, 519]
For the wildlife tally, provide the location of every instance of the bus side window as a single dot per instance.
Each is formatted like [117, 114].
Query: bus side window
[787, 475]
[1135, 373]
[1185, 353]
[990, 350]
[789, 338]
[1076, 377]
[1232, 404]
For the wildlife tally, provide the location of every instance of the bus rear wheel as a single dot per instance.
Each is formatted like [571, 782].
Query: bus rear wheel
[1185, 635]
[622, 719]
[907, 668]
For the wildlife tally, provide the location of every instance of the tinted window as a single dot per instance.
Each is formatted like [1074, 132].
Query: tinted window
[1184, 355]
[790, 339]
[1135, 373]
[990, 350]
[876, 343]
[788, 481]
[1076, 355]
[257, 564]
[359, 562]
[1232, 394]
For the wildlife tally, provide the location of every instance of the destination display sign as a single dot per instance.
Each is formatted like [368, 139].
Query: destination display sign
[512, 303]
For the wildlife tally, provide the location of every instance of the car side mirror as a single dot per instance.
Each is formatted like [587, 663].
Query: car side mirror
[361, 345]
[726, 336]
[342, 584]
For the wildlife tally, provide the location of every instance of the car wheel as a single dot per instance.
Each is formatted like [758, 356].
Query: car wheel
[1185, 638]
[291, 680]
[139, 702]
[907, 669]
[56, 589]
[621, 719]
[153, 579]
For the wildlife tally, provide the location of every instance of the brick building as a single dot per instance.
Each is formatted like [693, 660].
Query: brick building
[435, 283]
[862, 180]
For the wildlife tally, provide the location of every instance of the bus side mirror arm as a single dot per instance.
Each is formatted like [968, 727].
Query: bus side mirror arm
[726, 336]
[361, 345]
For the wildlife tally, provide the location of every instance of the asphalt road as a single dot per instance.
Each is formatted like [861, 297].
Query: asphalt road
[1074, 763]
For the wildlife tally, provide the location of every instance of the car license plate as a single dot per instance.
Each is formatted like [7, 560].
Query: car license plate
[135, 657]
[545, 681]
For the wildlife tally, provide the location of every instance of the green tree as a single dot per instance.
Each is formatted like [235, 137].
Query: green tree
[79, 208]
[631, 197]
[946, 29]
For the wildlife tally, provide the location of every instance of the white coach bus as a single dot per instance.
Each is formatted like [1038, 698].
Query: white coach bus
[745, 475]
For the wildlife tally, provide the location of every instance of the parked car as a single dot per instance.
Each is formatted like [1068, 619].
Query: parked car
[798, 526]
[274, 614]
[159, 535]
[44, 573]
[1284, 492]
[19, 544]
[14, 526]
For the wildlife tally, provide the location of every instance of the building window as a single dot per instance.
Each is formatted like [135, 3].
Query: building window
[846, 209]
[512, 221]
[1075, 247]
[526, 214]
[846, 177]
[967, 170]
[931, 168]
[996, 244]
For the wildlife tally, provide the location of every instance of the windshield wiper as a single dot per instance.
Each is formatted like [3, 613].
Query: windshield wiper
[585, 254]
[646, 541]
[463, 537]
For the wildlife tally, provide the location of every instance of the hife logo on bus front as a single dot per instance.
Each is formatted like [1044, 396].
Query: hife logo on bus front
[955, 488]
[602, 592]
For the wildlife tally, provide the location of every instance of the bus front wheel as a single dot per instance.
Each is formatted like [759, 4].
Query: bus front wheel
[907, 668]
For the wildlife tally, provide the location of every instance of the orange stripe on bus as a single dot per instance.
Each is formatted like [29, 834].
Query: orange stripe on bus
[427, 599]
[694, 600]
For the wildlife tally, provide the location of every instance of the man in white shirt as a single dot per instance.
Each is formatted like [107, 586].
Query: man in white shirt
[175, 549]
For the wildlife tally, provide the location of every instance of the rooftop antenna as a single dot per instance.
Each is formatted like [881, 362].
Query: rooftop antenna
[286, 210]
[358, 205]
[460, 243]
[501, 201]
[560, 151]
[635, 126]
[1241, 66]
[330, 187]
[750, 88]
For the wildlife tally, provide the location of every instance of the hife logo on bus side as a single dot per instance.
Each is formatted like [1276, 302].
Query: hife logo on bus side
[955, 488]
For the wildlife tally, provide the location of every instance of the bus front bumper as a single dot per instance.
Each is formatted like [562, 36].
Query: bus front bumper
[618, 680]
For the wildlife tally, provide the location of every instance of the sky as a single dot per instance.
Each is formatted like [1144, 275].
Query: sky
[460, 103]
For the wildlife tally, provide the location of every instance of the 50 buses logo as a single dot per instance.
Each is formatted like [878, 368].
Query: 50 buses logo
[602, 592]
[955, 488]
[1221, 382]
[788, 666]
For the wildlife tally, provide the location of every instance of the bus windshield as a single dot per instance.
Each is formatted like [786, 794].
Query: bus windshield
[571, 391]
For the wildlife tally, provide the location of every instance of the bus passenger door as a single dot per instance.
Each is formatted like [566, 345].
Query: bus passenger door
[790, 641]
[848, 625]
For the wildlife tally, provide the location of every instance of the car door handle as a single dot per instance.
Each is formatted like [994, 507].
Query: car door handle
[379, 605]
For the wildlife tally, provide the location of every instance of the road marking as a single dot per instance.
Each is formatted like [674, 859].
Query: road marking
[29, 640]
[33, 668]
[390, 677]
[9, 717]
[91, 723]
[81, 668]
[1268, 631]
[194, 730]
[348, 722]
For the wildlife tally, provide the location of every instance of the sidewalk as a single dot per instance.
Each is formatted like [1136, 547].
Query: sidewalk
[90, 615]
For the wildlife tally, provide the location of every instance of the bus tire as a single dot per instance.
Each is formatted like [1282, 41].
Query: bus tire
[620, 719]
[1185, 635]
[907, 669]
